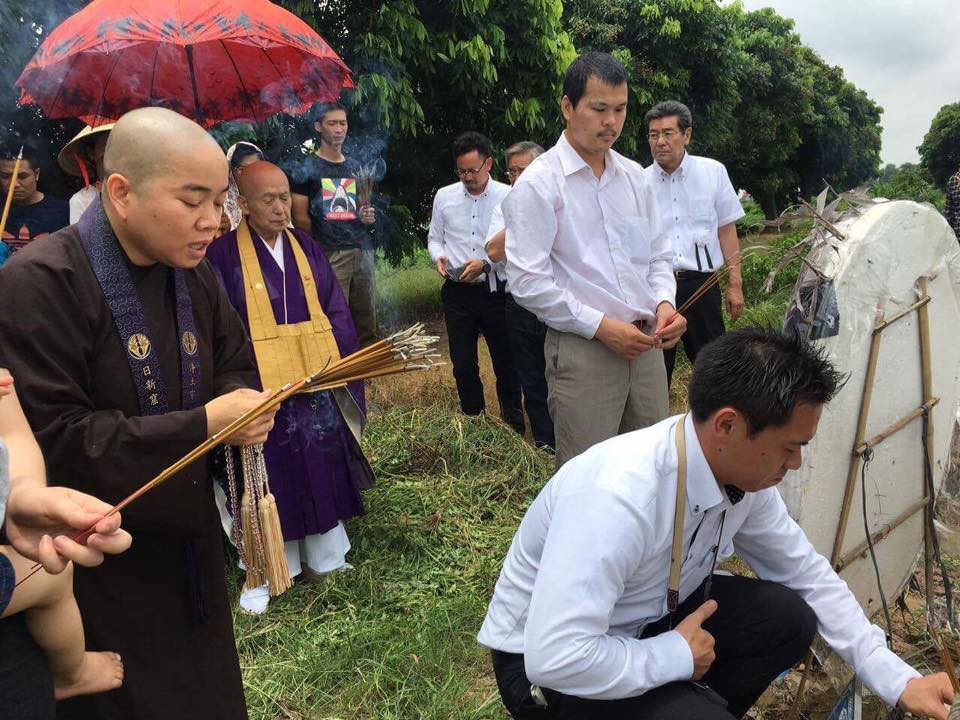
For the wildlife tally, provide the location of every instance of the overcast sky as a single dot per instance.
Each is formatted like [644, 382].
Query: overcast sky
[904, 53]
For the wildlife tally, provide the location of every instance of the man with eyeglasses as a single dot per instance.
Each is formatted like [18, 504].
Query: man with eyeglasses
[527, 333]
[699, 208]
[472, 295]
[585, 254]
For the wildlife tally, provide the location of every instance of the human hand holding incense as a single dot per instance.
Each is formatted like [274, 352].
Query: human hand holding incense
[623, 338]
[225, 409]
[40, 521]
[671, 325]
[368, 215]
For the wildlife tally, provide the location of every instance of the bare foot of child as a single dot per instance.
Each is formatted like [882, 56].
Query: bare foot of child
[100, 671]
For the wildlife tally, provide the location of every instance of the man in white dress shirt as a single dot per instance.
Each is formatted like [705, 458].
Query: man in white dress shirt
[473, 298]
[699, 209]
[587, 255]
[579, 619]
[526, 332]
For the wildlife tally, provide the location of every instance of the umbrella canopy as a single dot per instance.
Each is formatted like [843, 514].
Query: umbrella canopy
[211, 61]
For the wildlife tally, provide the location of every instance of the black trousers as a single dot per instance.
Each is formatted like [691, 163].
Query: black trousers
[526, 335]
[760, 628]
[704, 318]
[470, 310]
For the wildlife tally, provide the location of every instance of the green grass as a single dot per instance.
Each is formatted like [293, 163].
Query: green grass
[408, 292]
[395, 638]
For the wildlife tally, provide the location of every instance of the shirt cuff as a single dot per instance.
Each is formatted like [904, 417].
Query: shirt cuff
[672, 658]
[587, 322]
[886, 675]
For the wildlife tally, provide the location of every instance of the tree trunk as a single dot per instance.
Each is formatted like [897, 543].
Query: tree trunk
[768, 203]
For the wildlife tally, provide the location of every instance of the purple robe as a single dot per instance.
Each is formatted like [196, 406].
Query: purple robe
[314, 464]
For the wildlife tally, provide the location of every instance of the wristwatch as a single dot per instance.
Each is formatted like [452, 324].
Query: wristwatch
[486, 266]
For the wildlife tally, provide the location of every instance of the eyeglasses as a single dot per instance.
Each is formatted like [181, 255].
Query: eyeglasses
[514, 172]
[469, 172]
[667, 135]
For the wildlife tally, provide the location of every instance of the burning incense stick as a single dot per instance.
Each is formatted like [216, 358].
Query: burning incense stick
[13, 185]
[406, 350]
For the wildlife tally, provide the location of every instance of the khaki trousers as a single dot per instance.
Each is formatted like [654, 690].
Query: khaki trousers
[594, 394]
[355, 273]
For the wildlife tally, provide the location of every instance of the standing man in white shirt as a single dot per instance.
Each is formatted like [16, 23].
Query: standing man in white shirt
[473, 299]
[586, 254]
[526, 332]
[699, 209]
[580, 620]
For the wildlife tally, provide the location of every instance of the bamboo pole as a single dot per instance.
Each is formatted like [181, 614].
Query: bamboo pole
[862, 549]
[896, 427]
[13, 185]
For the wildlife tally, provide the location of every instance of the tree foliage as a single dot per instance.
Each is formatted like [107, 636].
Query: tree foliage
[426, 71]
[940, 150]
[908, 182]
[767, 106]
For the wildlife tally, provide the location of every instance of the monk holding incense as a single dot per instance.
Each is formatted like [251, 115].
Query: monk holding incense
[128, 354]
[288, 296]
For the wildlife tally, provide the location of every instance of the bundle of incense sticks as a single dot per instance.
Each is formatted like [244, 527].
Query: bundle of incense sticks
[404, 351]
[710, 282]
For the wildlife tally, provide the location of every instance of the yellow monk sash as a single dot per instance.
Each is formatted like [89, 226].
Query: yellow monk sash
[284, 353]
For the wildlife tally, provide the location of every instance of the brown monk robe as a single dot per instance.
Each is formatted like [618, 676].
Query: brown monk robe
[162, 606]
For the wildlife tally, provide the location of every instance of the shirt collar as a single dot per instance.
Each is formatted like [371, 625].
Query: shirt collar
[571, 162]
[680, 172]
[467, 193]
[703, 490]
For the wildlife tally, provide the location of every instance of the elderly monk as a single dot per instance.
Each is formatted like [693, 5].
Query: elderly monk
[128, 354]
[287, 294]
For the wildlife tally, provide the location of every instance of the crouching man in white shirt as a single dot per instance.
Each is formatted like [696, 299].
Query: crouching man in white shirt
[580, 621]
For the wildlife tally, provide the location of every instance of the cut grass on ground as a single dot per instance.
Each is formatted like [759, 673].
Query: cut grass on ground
[395, 638]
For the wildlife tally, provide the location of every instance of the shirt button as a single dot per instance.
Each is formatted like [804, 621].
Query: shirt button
[696, 508]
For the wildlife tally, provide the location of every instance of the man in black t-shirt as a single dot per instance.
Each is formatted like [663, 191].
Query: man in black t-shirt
[32, 213]
[327, 204]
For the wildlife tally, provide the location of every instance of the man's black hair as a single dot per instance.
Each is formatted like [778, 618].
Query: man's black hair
[670, 108]
[319, 111]
[243, 150]
[9, 150]
[762, 373]
[470, 141]
[603, 66]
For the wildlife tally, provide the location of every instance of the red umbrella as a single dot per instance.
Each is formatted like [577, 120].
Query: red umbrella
[212, 61]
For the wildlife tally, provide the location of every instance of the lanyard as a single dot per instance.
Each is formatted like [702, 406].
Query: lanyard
[676, 557]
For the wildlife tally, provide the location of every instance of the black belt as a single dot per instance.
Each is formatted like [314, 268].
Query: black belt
[691, 275]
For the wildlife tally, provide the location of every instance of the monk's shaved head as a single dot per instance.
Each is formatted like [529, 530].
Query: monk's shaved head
[265, 198]
[146, 143]
[166, 182]
[258, 176]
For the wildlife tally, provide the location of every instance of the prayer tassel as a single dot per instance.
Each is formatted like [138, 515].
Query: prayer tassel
[277, 570]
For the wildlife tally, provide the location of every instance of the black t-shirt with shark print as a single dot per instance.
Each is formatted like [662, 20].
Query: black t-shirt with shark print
[332, 189]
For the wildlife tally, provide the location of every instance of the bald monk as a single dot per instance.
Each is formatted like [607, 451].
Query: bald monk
[279, 278]
[127, 354]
